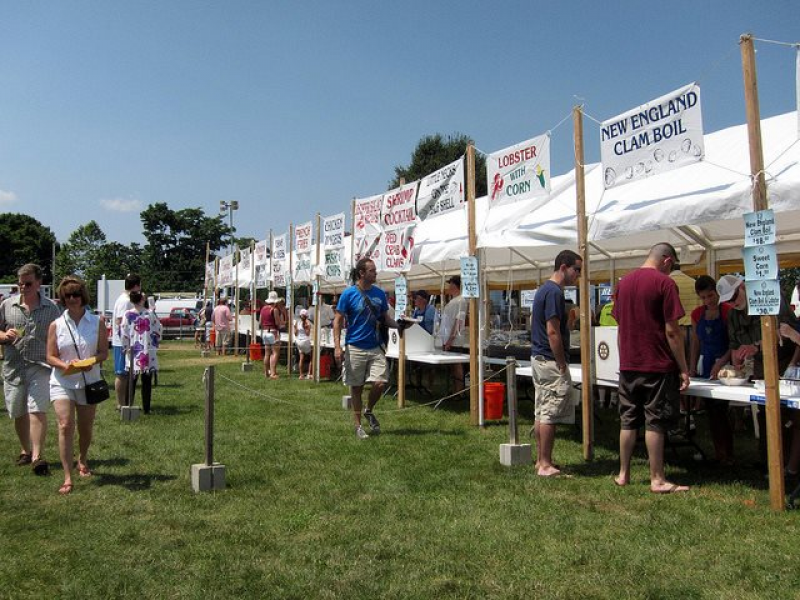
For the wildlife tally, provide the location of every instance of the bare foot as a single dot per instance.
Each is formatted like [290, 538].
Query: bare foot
[668, 488]
[550, 471]
[621, 481]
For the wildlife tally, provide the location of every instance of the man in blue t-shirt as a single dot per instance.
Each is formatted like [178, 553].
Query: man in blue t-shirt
[550, 358]
[363, 307]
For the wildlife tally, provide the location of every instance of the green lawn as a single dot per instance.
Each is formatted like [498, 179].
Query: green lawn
[423, 511]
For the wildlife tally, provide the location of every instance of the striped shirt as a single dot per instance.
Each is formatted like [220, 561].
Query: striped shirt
[32, 347]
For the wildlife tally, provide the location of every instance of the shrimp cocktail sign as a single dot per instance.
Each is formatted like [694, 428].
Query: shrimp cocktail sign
[399, 217]
[662, 135]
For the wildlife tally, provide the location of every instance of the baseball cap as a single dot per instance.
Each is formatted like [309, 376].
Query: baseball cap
[727, 286]
[422, 294]
[303, 312]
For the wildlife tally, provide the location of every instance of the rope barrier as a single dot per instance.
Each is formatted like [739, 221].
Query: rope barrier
[338, 411]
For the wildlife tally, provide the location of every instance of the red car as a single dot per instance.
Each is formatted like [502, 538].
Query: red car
[180, 322]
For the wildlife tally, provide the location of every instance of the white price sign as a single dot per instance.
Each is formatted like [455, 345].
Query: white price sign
[400, 295]
[764, 297]
[760, 262]
[469, 277]
[759, 228]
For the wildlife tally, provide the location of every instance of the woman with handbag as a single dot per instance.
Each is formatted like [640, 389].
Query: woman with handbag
[77, 343]
[141, 334]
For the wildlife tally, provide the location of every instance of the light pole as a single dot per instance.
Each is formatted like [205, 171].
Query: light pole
[229, 207]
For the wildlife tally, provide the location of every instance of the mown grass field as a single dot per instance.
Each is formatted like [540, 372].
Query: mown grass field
[423, 511]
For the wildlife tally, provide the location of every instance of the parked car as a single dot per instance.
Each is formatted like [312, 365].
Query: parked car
[179, 322]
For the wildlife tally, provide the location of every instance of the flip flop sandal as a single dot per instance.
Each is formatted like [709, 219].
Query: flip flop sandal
[84, 471]
[24, 459]
[65, 489]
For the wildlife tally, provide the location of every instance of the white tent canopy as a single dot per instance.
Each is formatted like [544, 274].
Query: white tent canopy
[696, 208]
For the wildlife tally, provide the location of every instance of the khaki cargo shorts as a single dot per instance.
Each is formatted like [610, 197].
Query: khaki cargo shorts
[553, 399]
[364, 366]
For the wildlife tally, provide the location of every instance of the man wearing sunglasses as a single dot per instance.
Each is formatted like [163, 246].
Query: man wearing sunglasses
[24, 321]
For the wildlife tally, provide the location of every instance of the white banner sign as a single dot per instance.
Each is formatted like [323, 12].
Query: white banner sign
[334, 264]
[244, 270]
[519, 172]
[333, 231]
[209, 277]
[441, 192]
[399, 207]
[367, 230]
[262, 264]
[225, 271]
[303, 235]
[659, 136]
[280, 260]
[396, 247]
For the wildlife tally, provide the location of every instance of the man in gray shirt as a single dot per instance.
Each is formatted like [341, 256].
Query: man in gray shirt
[24, 321]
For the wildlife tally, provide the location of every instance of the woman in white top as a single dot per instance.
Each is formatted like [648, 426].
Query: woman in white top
[302, 333]
[76, 335]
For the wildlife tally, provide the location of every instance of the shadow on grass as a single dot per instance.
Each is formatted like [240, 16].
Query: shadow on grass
[133, 482]
[409, 432]
[173, 410]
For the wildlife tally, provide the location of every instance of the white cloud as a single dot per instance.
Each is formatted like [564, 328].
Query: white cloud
[121, 204]
[7, 197]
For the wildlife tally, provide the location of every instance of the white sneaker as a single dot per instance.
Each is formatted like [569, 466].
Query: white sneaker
[360, 433]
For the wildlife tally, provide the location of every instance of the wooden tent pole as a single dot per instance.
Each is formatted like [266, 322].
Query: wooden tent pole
[475, 377]
[587, 377]
[769, 331]
[318, 302]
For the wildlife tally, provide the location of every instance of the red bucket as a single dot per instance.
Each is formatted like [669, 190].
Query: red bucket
[494, 396]
[256, 352]
[325, 366]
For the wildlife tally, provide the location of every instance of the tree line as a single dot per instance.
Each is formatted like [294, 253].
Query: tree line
[173, 255]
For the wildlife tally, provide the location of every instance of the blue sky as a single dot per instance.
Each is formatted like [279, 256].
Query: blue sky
[294, 108]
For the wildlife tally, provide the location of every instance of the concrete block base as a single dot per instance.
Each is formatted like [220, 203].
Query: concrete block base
[247, 367]
[347, 403]
[515, 454]
[206, 478]
[130, 413]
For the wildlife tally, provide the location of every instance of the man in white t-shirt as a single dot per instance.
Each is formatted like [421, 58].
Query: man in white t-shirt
[453, 331]
[133, 283]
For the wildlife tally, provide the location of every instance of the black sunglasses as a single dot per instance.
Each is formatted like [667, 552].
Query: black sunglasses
[73, 295]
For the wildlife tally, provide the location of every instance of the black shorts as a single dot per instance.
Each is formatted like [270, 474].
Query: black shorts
[649, 399]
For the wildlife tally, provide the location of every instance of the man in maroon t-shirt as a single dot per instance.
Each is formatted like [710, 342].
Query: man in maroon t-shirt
[652, 362]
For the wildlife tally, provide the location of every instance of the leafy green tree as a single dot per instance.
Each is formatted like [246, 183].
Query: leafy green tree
[89, 255]
[173, 258]
[434, 152]
[23, 240]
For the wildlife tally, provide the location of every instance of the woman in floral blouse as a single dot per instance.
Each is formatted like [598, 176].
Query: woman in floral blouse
[141, 334]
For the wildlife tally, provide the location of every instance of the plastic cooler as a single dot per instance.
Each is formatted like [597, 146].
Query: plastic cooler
[494, 396]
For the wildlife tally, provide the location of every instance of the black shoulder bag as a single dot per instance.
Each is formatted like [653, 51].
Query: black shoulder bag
[381, 329]
[98, 391]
